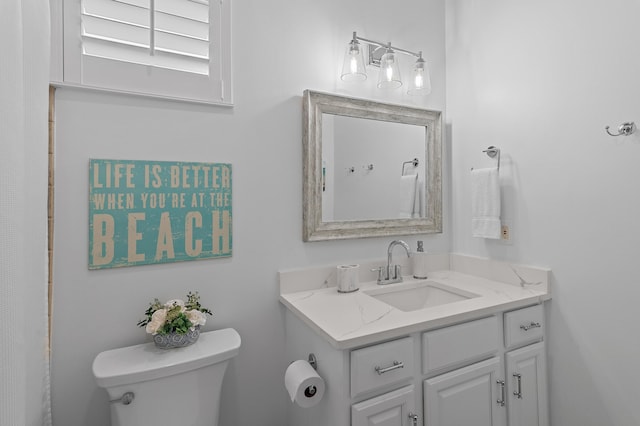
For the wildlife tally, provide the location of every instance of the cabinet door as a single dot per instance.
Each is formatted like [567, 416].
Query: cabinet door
[469, 396]
[527, 386]
[391, 409]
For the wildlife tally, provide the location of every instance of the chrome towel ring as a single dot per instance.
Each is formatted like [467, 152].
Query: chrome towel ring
[492, 152]
[625, 129]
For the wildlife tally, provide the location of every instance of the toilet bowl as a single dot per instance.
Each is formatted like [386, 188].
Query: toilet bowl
[152, 386]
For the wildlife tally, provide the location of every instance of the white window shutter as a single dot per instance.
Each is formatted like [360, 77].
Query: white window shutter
[171, 48]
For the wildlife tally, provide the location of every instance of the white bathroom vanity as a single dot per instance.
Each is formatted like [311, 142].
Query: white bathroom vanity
[466, 346]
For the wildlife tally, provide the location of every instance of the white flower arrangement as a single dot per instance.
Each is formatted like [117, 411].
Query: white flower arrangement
[175, 316]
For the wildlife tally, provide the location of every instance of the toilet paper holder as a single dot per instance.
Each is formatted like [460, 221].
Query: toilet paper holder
[313, 361]
[311, 390]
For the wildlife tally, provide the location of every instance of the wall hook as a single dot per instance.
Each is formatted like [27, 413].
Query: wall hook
[625, 129]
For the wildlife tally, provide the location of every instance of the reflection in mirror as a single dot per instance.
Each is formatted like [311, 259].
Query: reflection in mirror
[361, 170]
[360, 177]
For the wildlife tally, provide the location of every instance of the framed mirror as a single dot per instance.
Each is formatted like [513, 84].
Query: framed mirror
[370, 168]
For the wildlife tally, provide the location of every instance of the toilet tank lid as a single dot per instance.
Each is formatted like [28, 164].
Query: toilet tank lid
[147, 362]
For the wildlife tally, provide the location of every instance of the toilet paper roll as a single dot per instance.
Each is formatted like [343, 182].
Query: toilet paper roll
[303, 383]
[347, 278]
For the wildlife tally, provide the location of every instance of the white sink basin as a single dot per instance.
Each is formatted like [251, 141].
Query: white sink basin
[419, 295]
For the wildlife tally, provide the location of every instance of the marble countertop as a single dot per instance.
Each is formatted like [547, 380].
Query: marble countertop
[349, 320]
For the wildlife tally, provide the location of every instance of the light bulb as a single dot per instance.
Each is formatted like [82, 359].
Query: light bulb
[418, 80]
[389, 72]
[353, 64]
[389, 77]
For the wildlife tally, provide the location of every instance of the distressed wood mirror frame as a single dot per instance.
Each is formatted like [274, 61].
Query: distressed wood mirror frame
[315, 104]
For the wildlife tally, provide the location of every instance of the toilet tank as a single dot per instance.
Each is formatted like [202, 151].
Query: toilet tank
[170, 386]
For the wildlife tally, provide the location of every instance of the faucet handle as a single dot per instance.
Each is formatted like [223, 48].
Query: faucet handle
[397, 272]
[380, 271]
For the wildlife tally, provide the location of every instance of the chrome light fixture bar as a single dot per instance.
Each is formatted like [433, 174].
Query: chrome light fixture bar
[353, 68]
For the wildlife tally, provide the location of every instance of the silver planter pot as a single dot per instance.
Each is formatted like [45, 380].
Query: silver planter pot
[175, 340]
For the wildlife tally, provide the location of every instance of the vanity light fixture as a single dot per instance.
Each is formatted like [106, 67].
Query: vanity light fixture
[384, 56]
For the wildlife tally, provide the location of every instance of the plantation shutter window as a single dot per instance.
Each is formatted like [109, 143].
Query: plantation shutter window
[170, 48]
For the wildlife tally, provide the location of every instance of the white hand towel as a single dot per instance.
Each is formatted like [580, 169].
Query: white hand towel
[418, 204]
[407, 195]
[485, 203]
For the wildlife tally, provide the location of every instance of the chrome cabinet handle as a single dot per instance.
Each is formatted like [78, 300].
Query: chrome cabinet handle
[518, 393]
[396, 365]
[530, 326]
[501, 401]
[413, 418]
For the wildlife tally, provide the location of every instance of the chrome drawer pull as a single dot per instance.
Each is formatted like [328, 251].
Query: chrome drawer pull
[530, 326]
[501, 401]
[414, 419]
[518, 393]
[396, 365]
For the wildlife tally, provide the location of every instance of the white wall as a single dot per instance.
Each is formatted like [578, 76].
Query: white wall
[280, 48]
[540, 80]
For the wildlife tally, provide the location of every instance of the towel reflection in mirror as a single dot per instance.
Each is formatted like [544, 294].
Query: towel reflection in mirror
[411, 195]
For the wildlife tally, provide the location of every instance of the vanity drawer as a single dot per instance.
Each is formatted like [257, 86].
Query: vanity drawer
[523, 326]
[380, 365]
[455, 345]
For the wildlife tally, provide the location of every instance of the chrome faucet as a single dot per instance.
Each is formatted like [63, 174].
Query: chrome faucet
[392, 273]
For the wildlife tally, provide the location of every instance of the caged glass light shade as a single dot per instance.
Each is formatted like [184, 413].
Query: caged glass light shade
[353, 66]
[389, 76]
[420, 83]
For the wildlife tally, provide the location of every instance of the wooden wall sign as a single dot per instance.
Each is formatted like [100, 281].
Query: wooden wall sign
[146, 212]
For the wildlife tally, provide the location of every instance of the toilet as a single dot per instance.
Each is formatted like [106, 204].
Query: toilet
[152, 386]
